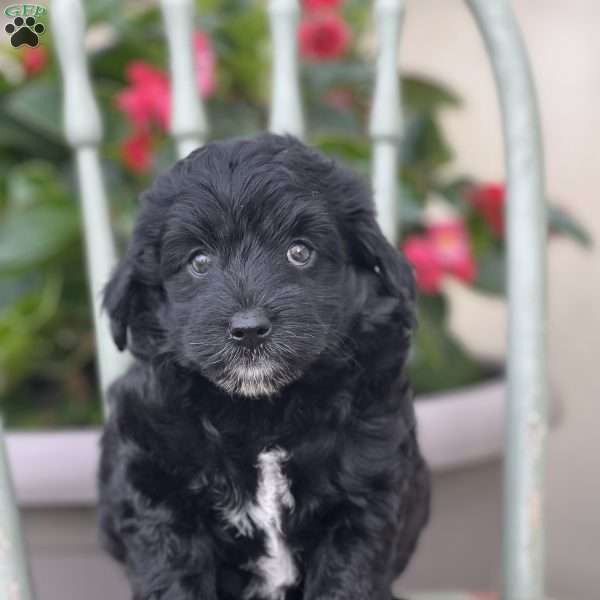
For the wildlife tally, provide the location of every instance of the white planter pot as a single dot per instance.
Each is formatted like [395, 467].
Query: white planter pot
[463, 426]
[456, 429]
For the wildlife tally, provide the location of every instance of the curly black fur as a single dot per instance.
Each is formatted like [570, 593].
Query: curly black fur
[178, 447]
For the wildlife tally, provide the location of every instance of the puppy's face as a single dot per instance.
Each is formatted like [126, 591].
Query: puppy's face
[246, 264]
[253, 281]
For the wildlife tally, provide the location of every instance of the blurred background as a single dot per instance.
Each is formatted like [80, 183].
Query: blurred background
[451, 228]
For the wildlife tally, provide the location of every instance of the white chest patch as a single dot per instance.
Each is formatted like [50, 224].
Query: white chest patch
[275, 571]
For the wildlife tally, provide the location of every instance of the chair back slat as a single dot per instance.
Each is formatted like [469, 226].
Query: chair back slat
[286, 106]
[83, 130]
[526, 428]
[189, 126]
[386, 114]
[14, 573]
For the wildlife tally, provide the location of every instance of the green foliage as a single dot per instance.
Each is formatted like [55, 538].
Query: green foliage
[562, 223]
[438, 361]
[36, 105]
[46, 340]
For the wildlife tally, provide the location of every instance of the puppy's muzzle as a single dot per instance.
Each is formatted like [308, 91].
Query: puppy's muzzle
[250, 328]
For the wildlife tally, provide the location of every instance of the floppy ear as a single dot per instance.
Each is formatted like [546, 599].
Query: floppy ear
[388, 297]
[372, 251]
[134, 299]
[117, 301]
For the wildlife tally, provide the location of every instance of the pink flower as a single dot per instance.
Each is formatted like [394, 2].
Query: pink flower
[147, 98]
[323, 36]
[315, 5]
[146, 101]
[443, 250]
[205, 64]
[34, 60]
[488, 200]
[143, 75]
[452, 248]
[136, 151]
[421, 254]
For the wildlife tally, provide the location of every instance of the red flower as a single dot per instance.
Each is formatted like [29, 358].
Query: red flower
[205, 64]
[136, 151]
[452, 248]
[323, 36]
[34, 59]
[488, 200]
[315, 5]
[146, 100]
[428, 272]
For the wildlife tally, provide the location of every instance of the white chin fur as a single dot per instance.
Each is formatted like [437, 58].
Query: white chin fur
[252, 380]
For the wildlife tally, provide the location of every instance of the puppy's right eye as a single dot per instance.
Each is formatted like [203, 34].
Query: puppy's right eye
[199, 264]
[299, 254]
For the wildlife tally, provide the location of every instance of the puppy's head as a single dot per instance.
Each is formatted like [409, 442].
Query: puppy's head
[252, 259]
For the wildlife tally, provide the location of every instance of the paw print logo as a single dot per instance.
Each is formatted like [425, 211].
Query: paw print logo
[24, 31]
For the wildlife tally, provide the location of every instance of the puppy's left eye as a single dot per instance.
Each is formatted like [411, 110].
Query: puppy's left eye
[300, 254]
[199, 264]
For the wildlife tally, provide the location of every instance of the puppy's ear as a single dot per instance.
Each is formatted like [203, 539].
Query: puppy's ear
[117, 301]
[134, 296]
[372, 251]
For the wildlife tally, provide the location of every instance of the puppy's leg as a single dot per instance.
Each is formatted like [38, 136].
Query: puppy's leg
[163, 561]
[354, 561]
[167, 555]
[165, 566]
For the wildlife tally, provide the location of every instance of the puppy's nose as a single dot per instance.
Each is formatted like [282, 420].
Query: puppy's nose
[250, 327]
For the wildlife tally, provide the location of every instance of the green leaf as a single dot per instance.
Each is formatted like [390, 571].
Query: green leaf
[424, 151]
[96, 10]
[358, 13]
[34, 182]
[37, 105]
[19, 324]
[241, 46]
[454, 190]
[324, 119]
[491, 272]
[17, 138]
[426, 95]
[345, 147]
[562, 223]
[229, 119]
[438, 361]
[324, 76]
[434, 308]
[35, 236]
[410, 210]
[12, 288]
[424, 142]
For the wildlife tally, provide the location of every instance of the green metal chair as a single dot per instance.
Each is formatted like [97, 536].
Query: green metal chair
[526, 427]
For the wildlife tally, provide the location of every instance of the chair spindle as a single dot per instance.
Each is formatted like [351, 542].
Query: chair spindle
[386, 114]
[189, 126]
[526, 428]
[83, 131]
[14, 573]
[286, 106]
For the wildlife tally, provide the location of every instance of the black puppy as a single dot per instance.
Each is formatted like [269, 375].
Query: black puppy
[264, 444]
